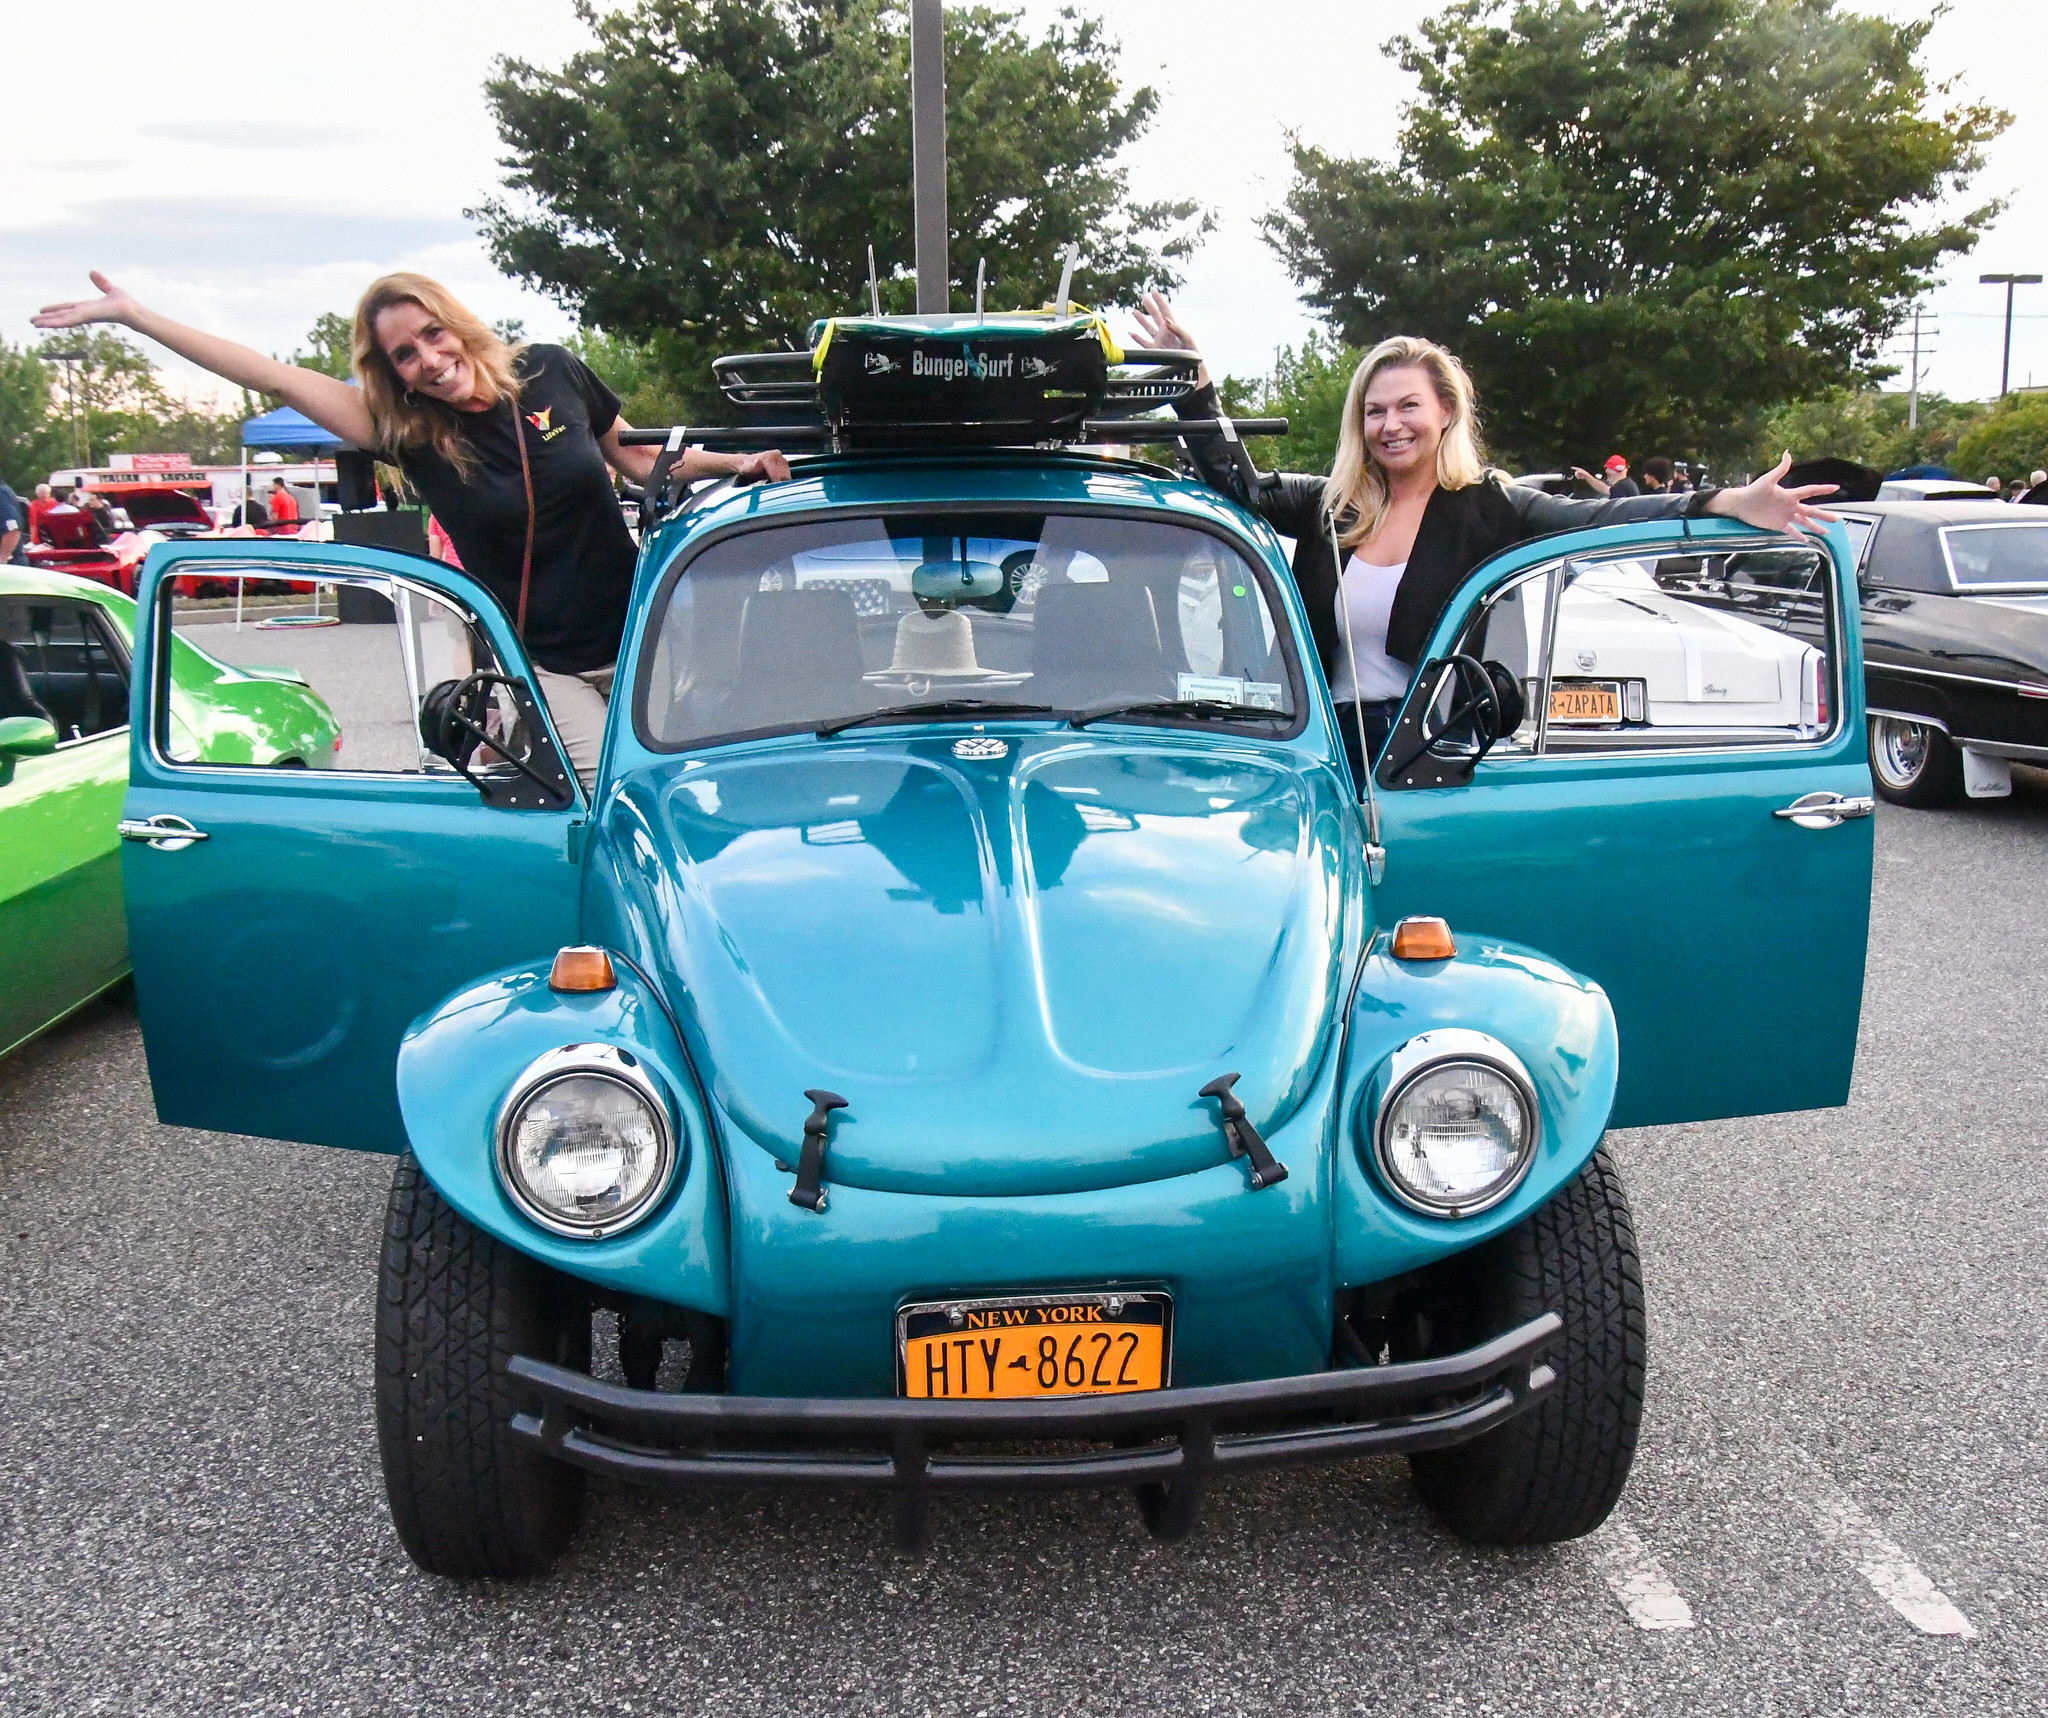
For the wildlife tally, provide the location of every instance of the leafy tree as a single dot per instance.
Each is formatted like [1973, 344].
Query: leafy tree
[1307, 389]
[1866, 426]
[34, 440]
[633, 370]
[331, 345]
[1642, 223]
[2011, 440]
[707, 178]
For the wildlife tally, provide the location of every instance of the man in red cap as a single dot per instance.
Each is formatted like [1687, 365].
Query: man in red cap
[1615, 484]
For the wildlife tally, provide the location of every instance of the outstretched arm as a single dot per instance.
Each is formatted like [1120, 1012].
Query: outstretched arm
[636, 464]
[333, 405]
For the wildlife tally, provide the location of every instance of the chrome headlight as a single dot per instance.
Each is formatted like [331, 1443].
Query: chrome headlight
[1457, 1123]
[585, 1145]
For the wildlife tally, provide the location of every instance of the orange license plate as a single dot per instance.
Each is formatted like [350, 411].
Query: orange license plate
[1097, 1344]
[1579, 702]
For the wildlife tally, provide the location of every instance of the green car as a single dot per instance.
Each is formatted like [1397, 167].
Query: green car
[64, 661]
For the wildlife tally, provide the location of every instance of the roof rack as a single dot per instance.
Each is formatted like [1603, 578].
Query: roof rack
[948, 382]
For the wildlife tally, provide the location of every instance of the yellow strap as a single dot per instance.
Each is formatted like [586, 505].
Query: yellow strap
[825, 340]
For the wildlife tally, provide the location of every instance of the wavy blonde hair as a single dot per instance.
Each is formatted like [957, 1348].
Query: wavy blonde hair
[1358, 483]
[403, 421]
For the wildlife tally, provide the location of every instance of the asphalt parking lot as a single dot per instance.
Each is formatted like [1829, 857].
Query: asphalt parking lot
[1839, 1503]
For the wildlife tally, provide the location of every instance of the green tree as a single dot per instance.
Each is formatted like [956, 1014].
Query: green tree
[707, 178]
[2010, 440]
[632, 369]
[1866, 426]
[1643, 223]
[330, 345]
[1307, 389]
[35, 438]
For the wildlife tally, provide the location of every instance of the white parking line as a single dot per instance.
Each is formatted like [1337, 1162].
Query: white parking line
[1896, 1578]
[1636, 1578]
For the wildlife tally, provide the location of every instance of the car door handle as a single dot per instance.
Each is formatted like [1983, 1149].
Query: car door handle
[166, 831]
[1825, 810]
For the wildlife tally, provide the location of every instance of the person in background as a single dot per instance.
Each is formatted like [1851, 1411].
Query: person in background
[13, 523]
[43, 503]
[282, 503]
[1681, 477]
[1997, 489]
[1410, 508]
[2019, 487]
[1616, 485]
[2039, 478]
[1658, 473]
[440, 545]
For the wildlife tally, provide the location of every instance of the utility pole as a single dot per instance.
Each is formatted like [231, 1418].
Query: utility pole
[1913, 386]
[928, 153]
[67, 359]
[2008, 281]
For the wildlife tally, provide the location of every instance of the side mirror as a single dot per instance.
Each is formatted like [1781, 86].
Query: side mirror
[27, 737]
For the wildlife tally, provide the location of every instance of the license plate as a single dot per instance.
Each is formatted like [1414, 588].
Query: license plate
[1095, 1344]
[1584, 701]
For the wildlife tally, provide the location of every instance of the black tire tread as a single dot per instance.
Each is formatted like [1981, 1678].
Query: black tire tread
[1557, 1471]
[453, 1306]
[1939, 783]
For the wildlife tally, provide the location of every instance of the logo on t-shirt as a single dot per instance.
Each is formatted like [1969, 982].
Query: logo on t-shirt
[542, 420]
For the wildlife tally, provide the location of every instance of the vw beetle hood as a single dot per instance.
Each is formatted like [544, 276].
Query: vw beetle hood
[1019, 971]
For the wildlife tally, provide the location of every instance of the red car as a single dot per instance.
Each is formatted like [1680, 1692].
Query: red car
[108, 546]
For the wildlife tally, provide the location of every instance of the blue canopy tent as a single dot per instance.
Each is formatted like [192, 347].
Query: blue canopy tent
[286, 428]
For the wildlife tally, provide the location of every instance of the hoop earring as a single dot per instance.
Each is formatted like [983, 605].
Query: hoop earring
[412, 399]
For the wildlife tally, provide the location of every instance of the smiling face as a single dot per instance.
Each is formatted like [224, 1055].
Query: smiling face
[1404, 419]
[429, 358]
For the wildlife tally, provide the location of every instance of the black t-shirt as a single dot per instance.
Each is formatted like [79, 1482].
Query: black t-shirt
[583, 554]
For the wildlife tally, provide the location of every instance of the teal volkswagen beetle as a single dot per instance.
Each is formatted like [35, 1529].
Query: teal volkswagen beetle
[971, 1034]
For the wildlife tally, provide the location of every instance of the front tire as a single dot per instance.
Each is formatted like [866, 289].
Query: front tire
[1914, 763]
[453, 1307]
[1557, 1470]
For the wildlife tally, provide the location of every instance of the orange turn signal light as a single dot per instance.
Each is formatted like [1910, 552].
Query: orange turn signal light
[582, 969]
[1419, 938]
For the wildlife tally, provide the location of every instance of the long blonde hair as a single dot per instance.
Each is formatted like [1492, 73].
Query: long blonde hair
[1358, 484]
[404, 421]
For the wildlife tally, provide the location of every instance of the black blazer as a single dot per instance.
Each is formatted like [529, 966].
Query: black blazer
[1460, 529]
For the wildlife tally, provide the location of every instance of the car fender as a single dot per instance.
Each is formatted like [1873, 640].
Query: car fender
[1557, 1022]
[456, 1065]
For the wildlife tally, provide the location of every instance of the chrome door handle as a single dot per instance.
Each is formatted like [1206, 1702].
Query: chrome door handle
[166, 831]
[1825, 810]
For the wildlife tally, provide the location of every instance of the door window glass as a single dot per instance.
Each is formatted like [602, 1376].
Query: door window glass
[1649, 651]
[59, 660]
[1998, 557]
[792, 626]
[270, 670]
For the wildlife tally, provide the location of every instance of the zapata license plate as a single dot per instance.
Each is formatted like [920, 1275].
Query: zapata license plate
[1585, 701]
[1102, 1344]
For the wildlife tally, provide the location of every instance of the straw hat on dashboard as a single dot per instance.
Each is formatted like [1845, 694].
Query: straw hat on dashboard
[936, 647]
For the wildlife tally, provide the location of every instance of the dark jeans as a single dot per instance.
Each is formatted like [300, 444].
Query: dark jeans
[1379, 721]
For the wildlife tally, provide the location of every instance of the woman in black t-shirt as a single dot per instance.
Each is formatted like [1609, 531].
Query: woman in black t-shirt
[478, 427]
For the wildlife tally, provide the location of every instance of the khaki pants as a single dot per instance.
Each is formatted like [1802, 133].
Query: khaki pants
[578, 702]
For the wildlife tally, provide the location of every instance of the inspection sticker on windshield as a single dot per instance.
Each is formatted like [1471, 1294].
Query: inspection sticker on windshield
[1222, 689]
[1102, 1344]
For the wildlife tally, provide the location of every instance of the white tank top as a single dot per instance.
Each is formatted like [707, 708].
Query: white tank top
[1365, 597]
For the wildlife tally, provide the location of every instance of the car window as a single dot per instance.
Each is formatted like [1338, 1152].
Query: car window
[791, 626]
[270, 669]
[1998, 557]
[60, 660]
[1651, 651]
[1860, 530]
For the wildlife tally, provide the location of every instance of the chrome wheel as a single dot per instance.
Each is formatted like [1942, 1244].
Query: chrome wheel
[1898, 751]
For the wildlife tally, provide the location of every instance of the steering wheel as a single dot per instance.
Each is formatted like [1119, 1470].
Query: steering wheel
[1484, 693]
[452, 718]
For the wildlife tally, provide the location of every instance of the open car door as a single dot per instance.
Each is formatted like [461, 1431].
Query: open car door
[304, 875]
[1680, 809]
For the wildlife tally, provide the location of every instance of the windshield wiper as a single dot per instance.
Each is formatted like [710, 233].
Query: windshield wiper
[939, 707]
[1209, 708]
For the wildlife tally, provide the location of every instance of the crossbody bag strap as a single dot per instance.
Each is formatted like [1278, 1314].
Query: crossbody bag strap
[526, 477]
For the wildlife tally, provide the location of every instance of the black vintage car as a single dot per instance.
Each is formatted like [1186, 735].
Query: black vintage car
[1955, 644]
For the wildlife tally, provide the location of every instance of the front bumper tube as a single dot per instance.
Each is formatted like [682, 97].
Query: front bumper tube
[1167, 1443]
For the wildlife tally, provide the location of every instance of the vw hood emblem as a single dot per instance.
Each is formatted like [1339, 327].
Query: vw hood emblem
[981, 746]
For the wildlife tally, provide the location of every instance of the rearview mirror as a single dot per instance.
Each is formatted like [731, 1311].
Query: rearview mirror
[27, 737]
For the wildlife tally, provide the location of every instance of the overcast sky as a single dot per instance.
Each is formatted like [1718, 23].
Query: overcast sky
[247, 167]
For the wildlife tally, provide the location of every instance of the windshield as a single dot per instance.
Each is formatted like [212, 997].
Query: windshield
[800, 626]
[1998, 555]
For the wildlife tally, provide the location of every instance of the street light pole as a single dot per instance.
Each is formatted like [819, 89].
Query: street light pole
[67, 359]
[928, 153]
[2008, 281]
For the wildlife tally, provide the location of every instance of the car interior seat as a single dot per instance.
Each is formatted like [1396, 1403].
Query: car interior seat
[799, 659]
[1093, 643]
[17, 697]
